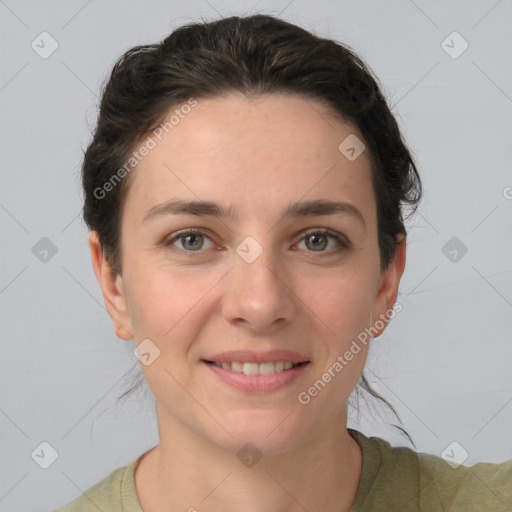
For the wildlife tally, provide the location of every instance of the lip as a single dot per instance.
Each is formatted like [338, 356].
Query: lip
[246, 356]
[258, 384]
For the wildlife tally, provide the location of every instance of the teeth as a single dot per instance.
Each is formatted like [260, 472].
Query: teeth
[265, 368]
[268, 368]
[237, 367]
[251, 368]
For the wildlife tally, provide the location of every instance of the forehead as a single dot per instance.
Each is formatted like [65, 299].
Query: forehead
[254, 152]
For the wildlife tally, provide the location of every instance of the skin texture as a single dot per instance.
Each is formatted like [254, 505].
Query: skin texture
[256, 155]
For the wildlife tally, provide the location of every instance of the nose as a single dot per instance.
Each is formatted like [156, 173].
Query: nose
[259, 295]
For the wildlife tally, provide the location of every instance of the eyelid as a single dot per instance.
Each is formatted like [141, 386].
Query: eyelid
[168, 241]
[339, 237]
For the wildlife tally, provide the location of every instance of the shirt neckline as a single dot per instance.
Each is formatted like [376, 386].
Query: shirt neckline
[129, 499]
[370, 466]
[369, 470]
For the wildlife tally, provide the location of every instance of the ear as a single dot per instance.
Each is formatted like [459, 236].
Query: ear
[112, 288]
[388, 290]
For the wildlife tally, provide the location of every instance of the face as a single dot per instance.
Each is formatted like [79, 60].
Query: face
[255, 278]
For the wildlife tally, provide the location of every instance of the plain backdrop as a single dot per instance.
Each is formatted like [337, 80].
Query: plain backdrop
[445, 360]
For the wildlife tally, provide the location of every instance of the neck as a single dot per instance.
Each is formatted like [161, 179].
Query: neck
[187, 472]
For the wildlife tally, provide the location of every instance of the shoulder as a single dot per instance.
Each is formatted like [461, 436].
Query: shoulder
[482, 486]
[395, 477]
[115, 493]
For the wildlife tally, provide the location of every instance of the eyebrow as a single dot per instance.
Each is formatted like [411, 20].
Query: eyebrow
[310, 208]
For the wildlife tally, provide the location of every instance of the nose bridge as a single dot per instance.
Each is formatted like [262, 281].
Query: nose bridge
[257, 265]
[259, 292]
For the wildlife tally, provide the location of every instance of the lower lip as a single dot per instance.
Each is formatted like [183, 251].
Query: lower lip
[258, 383]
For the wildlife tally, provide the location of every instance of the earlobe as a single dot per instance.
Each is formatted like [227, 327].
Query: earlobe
[387, 292]
[112, 289]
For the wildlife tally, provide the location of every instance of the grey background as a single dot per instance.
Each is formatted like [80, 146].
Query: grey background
[445, 359]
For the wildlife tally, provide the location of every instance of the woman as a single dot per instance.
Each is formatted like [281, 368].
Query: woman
[245, 190]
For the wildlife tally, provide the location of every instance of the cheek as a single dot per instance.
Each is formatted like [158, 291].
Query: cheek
[342, 301]
[164, 302]
[168, 309]
[342, 307]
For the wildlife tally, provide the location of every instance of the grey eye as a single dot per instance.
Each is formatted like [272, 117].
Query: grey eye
[193, 242]
[317, 241]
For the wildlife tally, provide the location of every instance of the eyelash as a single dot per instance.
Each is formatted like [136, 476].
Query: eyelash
[343, 243]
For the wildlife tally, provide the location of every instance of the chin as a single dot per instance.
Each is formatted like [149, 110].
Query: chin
[269, 432]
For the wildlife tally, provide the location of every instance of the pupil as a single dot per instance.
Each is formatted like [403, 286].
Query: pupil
[188, 237]
[317, 237]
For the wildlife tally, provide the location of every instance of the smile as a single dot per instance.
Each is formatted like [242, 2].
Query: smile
[267, 368]
[257, 377]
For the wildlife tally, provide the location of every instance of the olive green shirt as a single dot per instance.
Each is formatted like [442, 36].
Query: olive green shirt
[393, 479]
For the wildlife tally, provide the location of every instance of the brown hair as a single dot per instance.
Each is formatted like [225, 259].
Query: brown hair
[252, 55]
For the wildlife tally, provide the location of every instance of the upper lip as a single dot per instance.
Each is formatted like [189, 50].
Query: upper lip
[257, 357]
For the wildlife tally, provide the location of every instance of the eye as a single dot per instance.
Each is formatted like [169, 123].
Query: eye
[190, 240]
[193, 240]
[318, 240]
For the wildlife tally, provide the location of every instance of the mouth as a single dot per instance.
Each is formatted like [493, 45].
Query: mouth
[251, 368]
[257, 378]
